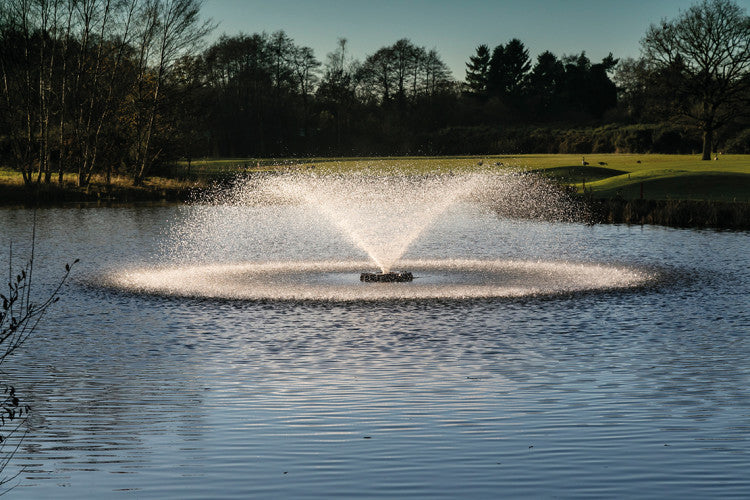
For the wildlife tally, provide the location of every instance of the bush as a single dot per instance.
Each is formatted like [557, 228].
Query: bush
[634, 139]
[19, 317]
[671, 139]
[739, 144]
[603, 140]
[463, 140]
[666, 141]
[643, 138]
[542, 140]
[576, 142]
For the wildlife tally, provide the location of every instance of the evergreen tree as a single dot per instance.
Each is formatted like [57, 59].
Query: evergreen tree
[545, 82]
[477, 70]
[509, 70]
[517, 65]
[495, 75]
[587, 88]
[602, 91]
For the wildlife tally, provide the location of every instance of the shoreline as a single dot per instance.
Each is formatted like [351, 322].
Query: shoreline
[694, 214]
[54, 195]
[697, 214]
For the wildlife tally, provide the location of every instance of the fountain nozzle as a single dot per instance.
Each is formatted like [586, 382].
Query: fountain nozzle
[393, 277]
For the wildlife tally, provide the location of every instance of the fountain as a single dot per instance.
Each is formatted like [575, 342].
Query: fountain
[389, 277]
[263, 239]
[381, 214]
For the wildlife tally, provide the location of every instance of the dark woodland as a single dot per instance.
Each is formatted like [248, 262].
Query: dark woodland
[123, 87]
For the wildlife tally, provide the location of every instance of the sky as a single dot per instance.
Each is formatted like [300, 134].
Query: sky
[453, 28]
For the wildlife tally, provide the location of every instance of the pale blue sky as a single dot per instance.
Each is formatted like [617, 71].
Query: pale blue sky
[454, 28]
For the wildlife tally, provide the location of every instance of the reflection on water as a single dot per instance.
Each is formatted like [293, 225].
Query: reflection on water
[617, 393]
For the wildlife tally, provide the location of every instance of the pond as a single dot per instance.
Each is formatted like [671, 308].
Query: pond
[637, 388]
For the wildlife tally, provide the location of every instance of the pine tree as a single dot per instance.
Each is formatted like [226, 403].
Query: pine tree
[517, 67]
[477, 70]
[509, 70]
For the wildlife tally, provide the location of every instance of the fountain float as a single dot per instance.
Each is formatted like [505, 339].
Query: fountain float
[262, 239]
[390, 277]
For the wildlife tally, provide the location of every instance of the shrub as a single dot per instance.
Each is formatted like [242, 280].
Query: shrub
[739, 144]
[634, 139]
[19, 317]
[576, 142]
[672, 139]
[603, 142]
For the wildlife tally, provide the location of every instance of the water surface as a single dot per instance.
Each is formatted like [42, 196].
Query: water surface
[639, 391]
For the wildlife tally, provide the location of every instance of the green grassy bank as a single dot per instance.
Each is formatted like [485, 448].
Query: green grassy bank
[120, 190]
[659, 177]
[675, 190]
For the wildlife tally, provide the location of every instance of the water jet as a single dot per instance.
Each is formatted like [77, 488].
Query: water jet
[319, 228]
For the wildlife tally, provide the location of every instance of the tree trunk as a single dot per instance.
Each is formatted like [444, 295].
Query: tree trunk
[708, 136]
[62, 93]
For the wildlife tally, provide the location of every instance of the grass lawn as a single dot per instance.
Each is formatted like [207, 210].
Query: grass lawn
[659, 177]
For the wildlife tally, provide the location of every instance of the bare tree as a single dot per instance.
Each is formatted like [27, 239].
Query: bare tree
[281, 52]
[437, 76]
[176, 27]
[405, 61]
[706, 53]
[62, 89]
[336, 92]
[378, 75]
[95, 19]
[82, 82]
[109, 84]
[306, 72]
[17, 51]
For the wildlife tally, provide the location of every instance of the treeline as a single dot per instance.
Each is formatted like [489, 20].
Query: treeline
[121, 86]
[662, 138]
[263, 95]
[507, 87]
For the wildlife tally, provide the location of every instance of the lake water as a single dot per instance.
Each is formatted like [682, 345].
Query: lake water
[639, 389]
